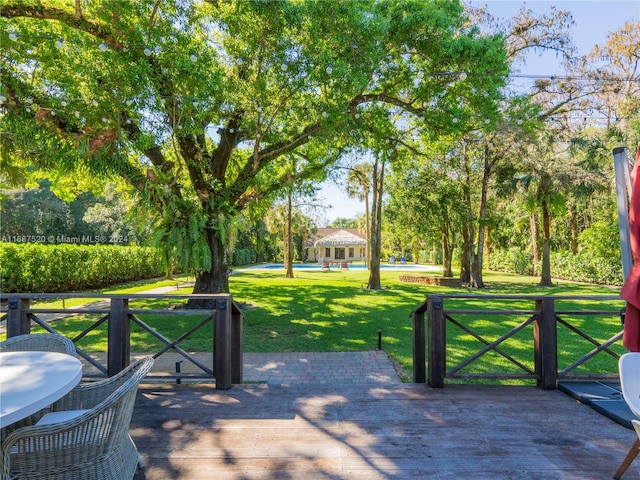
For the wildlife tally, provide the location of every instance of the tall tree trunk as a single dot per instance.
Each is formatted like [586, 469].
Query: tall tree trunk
[574, 228]
[477, 252]
[488, 247]
[470, 225]
[533, 221]
[288, 243]
[447, 254]
[545, 278]
[215, 280]
[477, 261]
[367, 219]
[376, 223]
[465, 256]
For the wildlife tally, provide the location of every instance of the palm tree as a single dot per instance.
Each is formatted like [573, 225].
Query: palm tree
[549, 174]
[359, 186]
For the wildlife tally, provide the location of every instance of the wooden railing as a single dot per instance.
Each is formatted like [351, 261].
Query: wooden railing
[225, 319]
[543, 321]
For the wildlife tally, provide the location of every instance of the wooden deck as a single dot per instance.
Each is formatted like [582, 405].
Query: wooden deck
[373, 432]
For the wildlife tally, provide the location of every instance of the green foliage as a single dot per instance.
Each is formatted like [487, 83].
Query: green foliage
[513, 260]
[242, 256]
[602, 240]
[34, 268]
[184, 240]
[585, 267]
[200, 105]
[39, 212]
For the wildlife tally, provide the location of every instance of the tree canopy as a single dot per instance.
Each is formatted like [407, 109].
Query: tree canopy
[196, 103]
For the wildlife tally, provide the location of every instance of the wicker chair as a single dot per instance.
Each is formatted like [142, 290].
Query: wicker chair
[38, 342]
[85, 437]
[629, 370]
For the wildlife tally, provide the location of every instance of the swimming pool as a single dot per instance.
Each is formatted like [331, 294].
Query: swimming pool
[356, 266]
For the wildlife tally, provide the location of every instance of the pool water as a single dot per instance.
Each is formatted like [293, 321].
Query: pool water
[356, 266]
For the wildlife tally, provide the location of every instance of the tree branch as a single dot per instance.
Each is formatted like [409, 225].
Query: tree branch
[384, 98]
[21, 9]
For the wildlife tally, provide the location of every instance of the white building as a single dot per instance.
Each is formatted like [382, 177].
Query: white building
[336, 245]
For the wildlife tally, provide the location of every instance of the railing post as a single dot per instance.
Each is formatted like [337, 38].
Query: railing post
[236, 345]
[119, 336]
[18, 322]
[222, 345]
[437, 351]
[546, 344]
[419, 346]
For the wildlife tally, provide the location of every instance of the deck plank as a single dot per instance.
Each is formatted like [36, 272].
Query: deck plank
[363, 431]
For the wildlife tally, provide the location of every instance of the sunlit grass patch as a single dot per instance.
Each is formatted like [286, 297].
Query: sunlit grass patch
[333, 311]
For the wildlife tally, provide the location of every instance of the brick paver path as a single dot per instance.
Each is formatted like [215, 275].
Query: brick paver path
[368, 367]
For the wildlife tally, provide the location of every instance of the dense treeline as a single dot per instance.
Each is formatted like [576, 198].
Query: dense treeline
[38, 214]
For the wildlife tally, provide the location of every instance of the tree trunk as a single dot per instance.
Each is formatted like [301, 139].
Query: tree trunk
[470, 227]
[545, 278]
[465, 257]
[447, 254]
[367, 219]
[215, 280]
[376, 222]
[288, 240]
[574, 228]
[477, 251]
[477, 262]
[488, 248]
[534, 242]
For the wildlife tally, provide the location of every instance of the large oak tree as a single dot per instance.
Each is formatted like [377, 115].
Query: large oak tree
[196, 103]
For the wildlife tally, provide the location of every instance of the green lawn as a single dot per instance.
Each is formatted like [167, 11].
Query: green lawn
[333, 311]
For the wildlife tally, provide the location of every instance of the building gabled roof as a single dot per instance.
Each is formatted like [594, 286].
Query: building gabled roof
[340, 238]
[321, 233]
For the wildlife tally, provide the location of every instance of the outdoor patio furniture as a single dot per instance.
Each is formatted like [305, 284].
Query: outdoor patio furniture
[38, 342]
[85, 437]
[629, 368]
[32, 381]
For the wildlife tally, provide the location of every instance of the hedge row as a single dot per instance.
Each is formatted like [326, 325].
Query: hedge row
[564, 265]
[586, 268]
[36, 268]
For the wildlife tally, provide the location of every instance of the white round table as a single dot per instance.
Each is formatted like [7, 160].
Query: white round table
[31, 381]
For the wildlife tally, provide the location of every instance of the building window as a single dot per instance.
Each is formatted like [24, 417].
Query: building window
[340, 253]
[327, 252]
[351, 252]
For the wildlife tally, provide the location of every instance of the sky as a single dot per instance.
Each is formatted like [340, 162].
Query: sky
[593, 19]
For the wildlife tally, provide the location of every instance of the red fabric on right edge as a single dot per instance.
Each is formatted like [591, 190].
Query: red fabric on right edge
[631, 288]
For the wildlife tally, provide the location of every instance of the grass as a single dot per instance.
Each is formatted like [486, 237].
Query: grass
[333, 311]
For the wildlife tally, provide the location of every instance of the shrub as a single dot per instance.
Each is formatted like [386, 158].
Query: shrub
[514, 260]
[241, 256]
[36, 268]
[585, 267]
